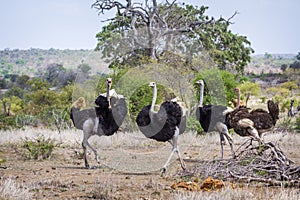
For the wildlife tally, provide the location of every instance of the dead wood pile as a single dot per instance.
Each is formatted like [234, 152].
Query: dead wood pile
[264, 163]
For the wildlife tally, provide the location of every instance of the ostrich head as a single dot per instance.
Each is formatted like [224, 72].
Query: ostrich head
[152, 84]
[200, 82]
[292, 102]
[108, 84]
[237, 90]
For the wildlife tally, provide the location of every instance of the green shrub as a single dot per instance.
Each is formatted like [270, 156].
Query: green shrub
[39, 148]
[193, 125]
[297, 123]
[8, 122]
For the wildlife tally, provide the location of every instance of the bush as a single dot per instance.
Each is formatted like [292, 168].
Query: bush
[192, 124]
[297, 123]
[39, 148]
[8, 122]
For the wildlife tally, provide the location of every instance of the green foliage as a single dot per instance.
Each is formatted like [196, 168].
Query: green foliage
[84, 68]
[219, 86]
[278, 91]
[39, 148]
[188, 28]
[8, 122]
[249, 89]
[289, 85]
[192, 124]
[143, 97]
[297, 124]
[26, 120]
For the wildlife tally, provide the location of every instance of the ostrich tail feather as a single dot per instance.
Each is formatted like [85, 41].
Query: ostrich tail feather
[244, 123]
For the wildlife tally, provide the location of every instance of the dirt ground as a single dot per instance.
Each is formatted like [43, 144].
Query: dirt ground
[129, 167]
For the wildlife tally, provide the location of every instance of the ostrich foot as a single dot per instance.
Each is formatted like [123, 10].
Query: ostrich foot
[163, 170]
[233, 156]
[95, 130]
[183, 166]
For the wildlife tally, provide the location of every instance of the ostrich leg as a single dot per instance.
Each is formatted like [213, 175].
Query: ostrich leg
[222, 129]
[85, 143]
[174, 149]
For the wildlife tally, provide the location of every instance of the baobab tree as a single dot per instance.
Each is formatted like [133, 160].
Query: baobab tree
[147, 30]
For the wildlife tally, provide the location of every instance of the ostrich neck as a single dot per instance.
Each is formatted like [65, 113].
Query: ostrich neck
[201, 95]
[107, 95]
[153, 101]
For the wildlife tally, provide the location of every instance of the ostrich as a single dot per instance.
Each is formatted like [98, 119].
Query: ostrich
[212, 118]
[164, 125]
[105, 119]
[291, 112]
[254, 123]
[238, 102]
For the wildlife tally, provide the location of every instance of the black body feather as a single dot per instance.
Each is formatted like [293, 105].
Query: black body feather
[163, 124]
[110, 119]
[209, 115]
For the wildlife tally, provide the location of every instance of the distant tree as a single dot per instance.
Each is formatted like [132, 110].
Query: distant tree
[22, 81]
[268, 56]
[37, 84]
[15, 91]
[84, 68]
[295, 65]
[66, 78]
[249, 89]
[3, 83]
[278, 91]
[290, 85]
[148, 30]
[52, 73]
[283, 67]
[298, 56]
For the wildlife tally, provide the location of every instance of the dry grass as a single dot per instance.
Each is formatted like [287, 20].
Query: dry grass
[240, 194]
[141, 159]
[10, 189]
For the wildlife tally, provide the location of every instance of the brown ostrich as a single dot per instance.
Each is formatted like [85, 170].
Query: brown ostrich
[253, 123]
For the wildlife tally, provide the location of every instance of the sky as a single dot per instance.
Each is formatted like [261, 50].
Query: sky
[272, 26]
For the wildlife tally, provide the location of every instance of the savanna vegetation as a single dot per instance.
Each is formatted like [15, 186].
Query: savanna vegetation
[196, 46]
[174, 44]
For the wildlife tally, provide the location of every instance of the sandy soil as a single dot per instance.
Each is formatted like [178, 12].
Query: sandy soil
[129, 169]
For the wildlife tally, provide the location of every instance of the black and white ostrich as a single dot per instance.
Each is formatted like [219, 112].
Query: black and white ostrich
[253, 123]
[105, 119]
[164, 125]
[213, 118]
[291, 111]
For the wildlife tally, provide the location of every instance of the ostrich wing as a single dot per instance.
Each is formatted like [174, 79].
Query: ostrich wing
[79, 117]
[209, 115]
[119, 110]
[235, 116]
[262, 121]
